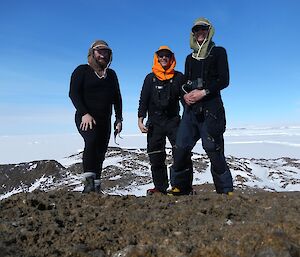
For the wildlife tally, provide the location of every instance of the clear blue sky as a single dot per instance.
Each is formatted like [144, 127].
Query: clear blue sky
[42, 42]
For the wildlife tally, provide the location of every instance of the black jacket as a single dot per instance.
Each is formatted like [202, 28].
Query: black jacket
[160, 98]
[215, 74]
[95, 96]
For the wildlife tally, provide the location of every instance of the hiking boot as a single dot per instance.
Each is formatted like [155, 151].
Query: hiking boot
[229, 193]
[155, 191]
[89, 185]
[97, 186]
[176, 191]
[173, 191]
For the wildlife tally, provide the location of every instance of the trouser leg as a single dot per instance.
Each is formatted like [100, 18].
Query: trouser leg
[159, 171]
[103, 129]
[181, 172]
[221, 174]
[171, 131]
[156, 141]
[89, 156]
[103, 135]
[95, 146]
[214, 147]
[182, 168]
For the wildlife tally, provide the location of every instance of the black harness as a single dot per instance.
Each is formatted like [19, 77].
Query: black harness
[161, 93]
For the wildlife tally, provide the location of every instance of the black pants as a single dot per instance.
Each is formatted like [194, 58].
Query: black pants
[189, 132]
[159, 130]
[95, 144]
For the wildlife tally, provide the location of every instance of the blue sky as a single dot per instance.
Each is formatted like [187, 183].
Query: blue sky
[42, 42]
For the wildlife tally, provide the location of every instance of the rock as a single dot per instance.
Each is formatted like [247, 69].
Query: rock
[163, 226]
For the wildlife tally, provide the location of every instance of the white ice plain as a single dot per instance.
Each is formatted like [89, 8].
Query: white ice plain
[267, 143]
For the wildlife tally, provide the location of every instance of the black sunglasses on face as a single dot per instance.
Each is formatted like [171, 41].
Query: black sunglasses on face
[200, 27]
[102, 51]
[161, 55]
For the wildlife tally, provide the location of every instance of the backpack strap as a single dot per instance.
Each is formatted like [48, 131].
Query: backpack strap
[189, 60]
[154, 78]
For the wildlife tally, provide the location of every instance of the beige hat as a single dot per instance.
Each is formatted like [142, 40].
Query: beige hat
[100, 44]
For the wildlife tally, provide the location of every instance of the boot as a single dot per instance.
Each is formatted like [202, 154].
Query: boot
[153, 191]
[176, 191]
[97, 186]
[89, 183]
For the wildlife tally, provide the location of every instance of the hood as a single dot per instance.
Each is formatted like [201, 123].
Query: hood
[158, 70]
[92, 61]
[203, 50]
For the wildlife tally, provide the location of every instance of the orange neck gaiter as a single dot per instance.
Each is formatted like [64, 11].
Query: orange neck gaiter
[160, 72]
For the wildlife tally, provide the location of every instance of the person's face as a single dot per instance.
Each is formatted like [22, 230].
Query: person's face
[164, 58]
[200, 33]
[102, 55]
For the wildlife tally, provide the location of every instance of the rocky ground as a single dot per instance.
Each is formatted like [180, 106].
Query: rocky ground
[251, 223]
[52, 219]
[126, 170]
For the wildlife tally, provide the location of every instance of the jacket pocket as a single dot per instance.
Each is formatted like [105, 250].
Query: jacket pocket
[215, 121]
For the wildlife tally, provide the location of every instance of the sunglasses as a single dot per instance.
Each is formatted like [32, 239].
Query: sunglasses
[164, 54]
[103, 51]
[200, 28]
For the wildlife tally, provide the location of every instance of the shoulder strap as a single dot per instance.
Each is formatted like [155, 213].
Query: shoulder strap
[189, 69]
[154, 79]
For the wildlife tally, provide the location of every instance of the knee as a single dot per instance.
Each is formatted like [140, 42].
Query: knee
[157, 159]
[90, 138]
[218, 162]
[90, 145]
[209, 144]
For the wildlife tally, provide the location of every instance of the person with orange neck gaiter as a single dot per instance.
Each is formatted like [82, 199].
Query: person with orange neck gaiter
[159, 102]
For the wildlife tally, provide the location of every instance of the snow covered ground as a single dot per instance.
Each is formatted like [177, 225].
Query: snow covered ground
[258, 158]
[253, 142]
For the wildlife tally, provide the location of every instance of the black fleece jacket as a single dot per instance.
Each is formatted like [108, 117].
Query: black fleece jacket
[147, 104]
[95, 96]
[213, 70]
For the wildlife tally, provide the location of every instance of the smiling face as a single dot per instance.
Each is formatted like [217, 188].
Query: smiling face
[102, 56]
[200, 32]
[164, 58]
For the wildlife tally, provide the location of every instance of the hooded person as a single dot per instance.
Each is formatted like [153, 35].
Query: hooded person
[164, 72]
[159, 102]
[102, 61]
[202, 49]
[207, 73]
[94, 91]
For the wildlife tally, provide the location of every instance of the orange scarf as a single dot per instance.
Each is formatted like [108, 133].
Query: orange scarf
[160, 72]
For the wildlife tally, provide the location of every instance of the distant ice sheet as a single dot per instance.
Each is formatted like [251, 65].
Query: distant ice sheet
[265, 143]
[252, 142]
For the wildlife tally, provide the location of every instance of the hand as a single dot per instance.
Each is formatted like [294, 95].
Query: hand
[141, 125]
[87, 121]
[194, 96]
[118, 127]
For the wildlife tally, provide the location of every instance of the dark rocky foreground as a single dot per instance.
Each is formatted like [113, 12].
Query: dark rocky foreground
[63, 223]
